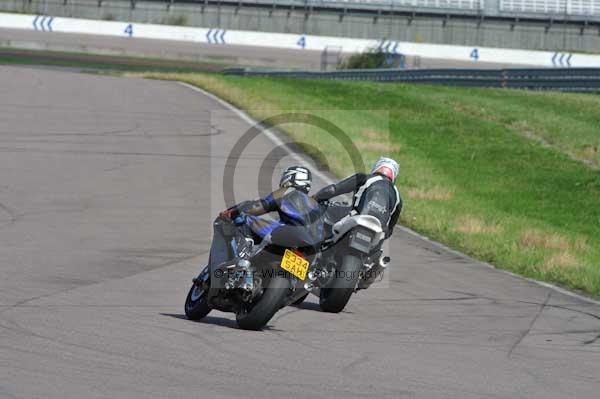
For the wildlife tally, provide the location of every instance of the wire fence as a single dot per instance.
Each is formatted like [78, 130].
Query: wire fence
[552, 7]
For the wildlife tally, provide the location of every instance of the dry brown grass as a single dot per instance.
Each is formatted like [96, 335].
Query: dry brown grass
[378, 146]
[471, 225]
[522, 126]
[591, 150]
[436, 193]
[479, 112]
[581, 244]
[377, 141]
[591, 153]
[560, 260]
[372, 134]
[538, 239]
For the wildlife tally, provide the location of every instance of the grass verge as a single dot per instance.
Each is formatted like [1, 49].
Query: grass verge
[504, 176]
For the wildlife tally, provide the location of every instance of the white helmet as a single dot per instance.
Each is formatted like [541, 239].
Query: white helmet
[386, 167]
[298, 177]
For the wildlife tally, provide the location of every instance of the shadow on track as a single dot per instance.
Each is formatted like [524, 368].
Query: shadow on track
[215, 320]
[315, 307]
[308, 306]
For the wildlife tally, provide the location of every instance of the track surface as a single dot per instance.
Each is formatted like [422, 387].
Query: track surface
[104, 217]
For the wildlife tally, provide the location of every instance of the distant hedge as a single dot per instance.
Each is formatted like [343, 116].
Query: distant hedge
[371, 59]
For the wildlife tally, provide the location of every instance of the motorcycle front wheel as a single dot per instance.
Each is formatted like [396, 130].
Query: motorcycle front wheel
[196, 304]
[256, 315]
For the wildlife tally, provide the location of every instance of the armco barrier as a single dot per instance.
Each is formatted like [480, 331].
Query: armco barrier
[564, 79]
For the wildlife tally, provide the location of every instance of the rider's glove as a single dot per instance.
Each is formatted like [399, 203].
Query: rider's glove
[227, 214]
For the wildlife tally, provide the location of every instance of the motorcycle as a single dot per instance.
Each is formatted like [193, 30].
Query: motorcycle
[351, 255]
[288, 264]
[259, 279]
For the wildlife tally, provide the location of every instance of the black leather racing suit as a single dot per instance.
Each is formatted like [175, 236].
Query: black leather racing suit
[374, 195]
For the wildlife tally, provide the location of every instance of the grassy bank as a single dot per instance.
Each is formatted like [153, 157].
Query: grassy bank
[509, 177]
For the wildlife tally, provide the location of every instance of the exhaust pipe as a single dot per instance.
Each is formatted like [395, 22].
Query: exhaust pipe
[384, 261]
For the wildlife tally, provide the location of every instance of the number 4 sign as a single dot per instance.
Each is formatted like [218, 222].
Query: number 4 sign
[301, 42]
[129, 30]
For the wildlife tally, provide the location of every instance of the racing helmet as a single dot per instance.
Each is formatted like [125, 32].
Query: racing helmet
[297, 177]
[386, 167]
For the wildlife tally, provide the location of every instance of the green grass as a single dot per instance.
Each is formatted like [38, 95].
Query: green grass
[474, 173]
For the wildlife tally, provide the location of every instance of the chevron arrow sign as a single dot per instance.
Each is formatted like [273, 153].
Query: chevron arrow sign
[216, 36]
[43, 23]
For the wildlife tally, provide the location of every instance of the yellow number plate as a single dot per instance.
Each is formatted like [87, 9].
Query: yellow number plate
[294, 264]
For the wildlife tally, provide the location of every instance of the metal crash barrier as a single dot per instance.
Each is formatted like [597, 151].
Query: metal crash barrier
[564, 79]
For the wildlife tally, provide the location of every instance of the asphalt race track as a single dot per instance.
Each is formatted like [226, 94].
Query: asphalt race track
[105, 211]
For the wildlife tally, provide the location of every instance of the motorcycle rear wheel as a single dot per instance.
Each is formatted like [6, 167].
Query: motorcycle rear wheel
[335, 296]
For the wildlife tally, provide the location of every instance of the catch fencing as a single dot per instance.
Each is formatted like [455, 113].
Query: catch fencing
[444, 4]
[556, 9]
[552, 7]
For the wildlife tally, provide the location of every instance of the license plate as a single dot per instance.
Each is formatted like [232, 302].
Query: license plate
[295, 264]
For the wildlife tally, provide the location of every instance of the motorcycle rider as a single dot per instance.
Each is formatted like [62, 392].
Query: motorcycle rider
[375, 194]
[291, 201]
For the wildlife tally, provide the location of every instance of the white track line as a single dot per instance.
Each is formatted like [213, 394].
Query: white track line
[267, 132]
[327, 179]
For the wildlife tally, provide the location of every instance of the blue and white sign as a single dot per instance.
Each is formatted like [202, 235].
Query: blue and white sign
[129, 30]
[43, 23]
[388, 47]
[301, 42]
[215, 36]
[562, 60]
